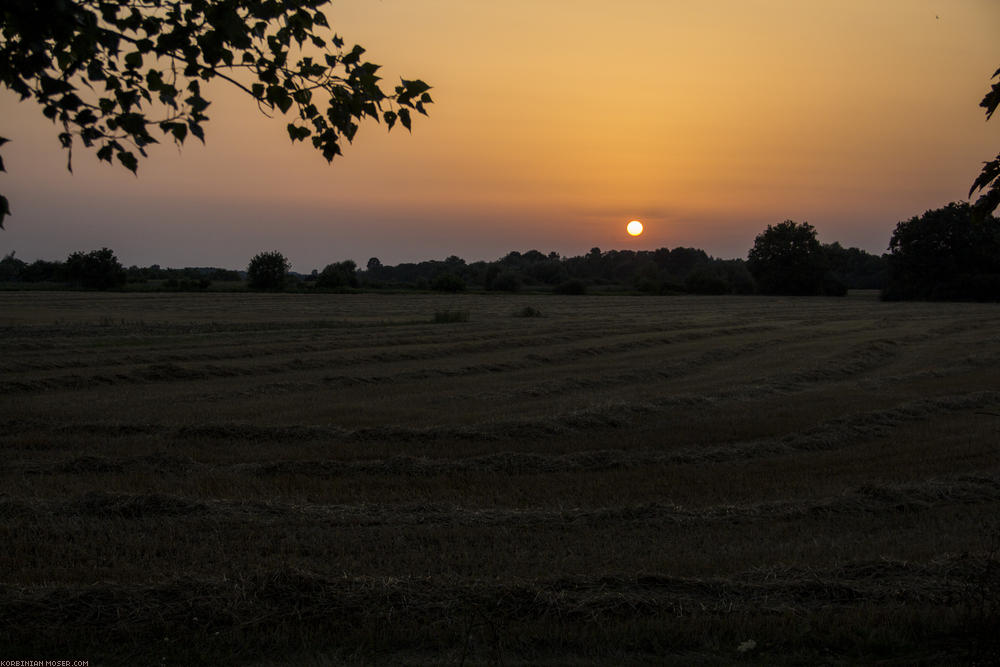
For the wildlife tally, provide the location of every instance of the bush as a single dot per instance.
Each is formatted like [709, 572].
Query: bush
[268, 271]
[97, 269]
[571, 287]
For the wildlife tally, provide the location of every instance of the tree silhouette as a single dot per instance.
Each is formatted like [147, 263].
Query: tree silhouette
[110, 72]
[988, 181]
[788, 259]
[338, 274]
[97, 269]
[268, 271]
[945, 254]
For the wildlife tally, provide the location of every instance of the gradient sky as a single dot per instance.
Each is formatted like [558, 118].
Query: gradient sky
[555, 122]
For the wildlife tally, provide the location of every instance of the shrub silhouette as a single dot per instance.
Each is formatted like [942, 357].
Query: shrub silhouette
[97, 269]
[268, 271]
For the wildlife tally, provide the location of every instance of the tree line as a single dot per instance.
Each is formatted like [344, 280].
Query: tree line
[94, 69]
[949, 253]
[100, 269]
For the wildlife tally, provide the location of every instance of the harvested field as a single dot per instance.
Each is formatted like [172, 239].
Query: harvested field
[325, 479]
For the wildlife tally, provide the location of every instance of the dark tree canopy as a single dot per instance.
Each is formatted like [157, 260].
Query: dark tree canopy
[988, 182]
[268, 271]
[97, 269]
[787, 258]
[338, 274]
[855, 268]
[112, 73]
[945, 254]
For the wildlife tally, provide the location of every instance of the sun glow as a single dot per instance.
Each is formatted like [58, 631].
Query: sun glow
[634, 228]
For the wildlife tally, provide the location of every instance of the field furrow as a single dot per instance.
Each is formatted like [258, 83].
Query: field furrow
[230, 477]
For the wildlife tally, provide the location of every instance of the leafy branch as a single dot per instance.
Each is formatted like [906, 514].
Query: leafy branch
[989, 178]
[112, 72]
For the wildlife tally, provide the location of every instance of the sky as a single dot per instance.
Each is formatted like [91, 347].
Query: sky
[556, 122]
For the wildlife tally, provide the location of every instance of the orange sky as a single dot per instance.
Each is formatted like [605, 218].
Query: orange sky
[555, 123]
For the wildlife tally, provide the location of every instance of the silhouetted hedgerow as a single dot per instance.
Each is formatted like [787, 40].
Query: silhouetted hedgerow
[945, 255]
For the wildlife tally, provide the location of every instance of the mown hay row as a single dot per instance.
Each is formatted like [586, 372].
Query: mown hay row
[918, 608]
[865, 500]
[832, 434]
[154, 369]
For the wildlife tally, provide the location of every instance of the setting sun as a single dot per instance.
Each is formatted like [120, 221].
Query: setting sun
[634, 228]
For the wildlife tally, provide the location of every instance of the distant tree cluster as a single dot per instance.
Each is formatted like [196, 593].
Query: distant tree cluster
[97, 269]
[14, 270]
[788, 259]
[662, 271]
[338, 274]
[948, 254]
[101, 270]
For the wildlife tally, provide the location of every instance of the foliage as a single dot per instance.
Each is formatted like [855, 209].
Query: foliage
[738, 276]
[855, 268]
[945, 254]
[505, 281]
[706, 281]
[448, 282]
[268, 271]
[339, 274]
[97, 269]
[662, 271]
[988, 181]
[43, 271]
[11, 268]
[787, 259]
[187, 278]
[113, 72]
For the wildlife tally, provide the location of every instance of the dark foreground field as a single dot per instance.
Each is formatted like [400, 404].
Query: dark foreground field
[283, 479]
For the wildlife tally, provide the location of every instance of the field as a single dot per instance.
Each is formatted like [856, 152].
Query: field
[316, 479]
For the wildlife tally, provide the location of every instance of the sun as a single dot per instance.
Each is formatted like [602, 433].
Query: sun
[634, 228]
